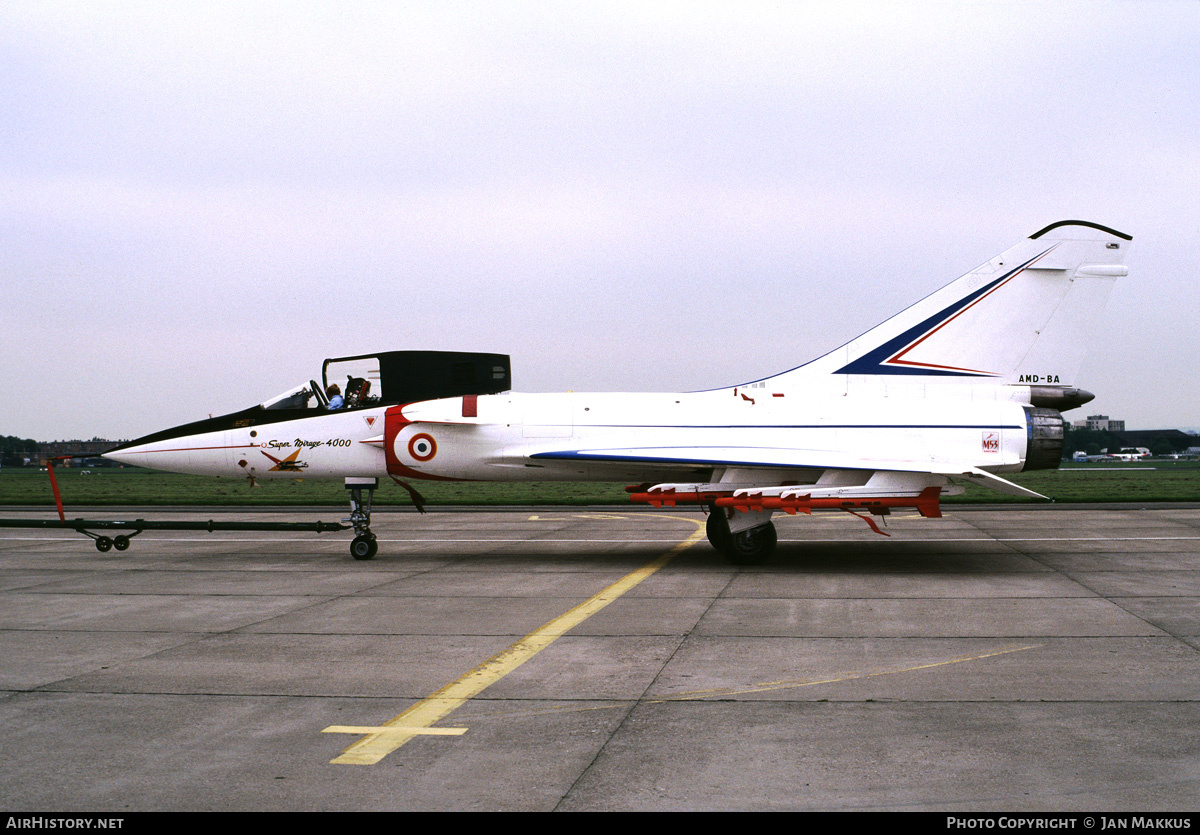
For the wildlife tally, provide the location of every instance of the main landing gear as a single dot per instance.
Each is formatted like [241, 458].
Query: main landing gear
[750, 546]
[364, 546]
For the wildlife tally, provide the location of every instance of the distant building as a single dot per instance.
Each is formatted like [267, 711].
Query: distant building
[53, 449]
[1099, 423]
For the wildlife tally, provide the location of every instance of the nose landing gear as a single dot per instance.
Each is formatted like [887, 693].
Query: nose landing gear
[364, 546]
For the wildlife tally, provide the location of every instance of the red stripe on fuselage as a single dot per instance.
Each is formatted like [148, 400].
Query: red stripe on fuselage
[184, 449]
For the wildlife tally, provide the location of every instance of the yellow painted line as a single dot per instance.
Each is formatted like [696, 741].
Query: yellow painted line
[377, 744]
[766, 686]
[716, 693]
[383, 729]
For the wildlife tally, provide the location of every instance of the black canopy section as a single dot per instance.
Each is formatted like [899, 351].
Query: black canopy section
[410, 376]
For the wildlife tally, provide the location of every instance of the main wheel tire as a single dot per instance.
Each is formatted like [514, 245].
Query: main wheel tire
[717, 529]
[363, 547]
[752, 546]
[120, 542]
[103, 544]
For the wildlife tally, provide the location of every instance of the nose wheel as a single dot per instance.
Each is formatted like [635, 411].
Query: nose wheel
[364, 546]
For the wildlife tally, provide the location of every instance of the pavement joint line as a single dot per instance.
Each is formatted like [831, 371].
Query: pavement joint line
[815, 540]
[374, 746]
[535, 541]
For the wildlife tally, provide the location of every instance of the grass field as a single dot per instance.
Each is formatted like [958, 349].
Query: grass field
[1166, 481]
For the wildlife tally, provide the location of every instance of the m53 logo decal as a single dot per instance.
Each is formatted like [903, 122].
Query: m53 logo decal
[991, 441]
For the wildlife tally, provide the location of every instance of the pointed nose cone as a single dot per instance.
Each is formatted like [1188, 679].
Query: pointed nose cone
[176, 451]
[138, 453]
[124, 453]
[172, 455]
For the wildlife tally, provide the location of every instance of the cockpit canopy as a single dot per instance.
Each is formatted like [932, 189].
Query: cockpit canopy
[393, 377]
[386, 379]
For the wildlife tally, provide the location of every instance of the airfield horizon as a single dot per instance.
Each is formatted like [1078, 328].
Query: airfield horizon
[1138, 482]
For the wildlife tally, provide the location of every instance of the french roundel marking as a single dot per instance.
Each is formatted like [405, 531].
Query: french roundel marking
[422, 447]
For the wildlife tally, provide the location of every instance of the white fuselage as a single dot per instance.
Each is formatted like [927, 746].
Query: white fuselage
[612, 436]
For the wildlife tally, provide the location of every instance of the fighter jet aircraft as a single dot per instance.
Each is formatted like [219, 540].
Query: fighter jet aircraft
[966, 385]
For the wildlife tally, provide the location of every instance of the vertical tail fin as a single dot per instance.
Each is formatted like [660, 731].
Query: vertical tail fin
[1022, 317]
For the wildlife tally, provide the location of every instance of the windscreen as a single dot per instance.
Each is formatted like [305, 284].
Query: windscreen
[297, 397]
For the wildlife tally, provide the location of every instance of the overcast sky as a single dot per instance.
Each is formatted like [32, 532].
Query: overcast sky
[200, 202]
